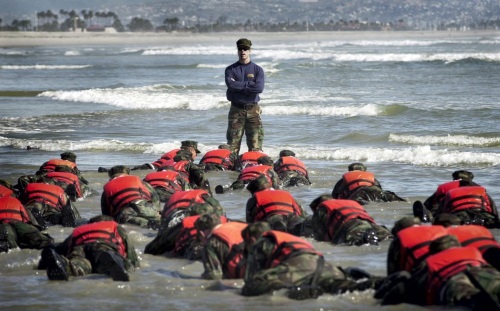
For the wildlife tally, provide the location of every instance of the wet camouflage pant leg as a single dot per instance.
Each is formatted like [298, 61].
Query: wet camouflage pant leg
[29, 236]
[11, 235]
[139, 213]
[248, 122]
[79, 264]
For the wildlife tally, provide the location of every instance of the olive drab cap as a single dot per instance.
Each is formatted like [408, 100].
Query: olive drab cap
[244, 42]
[442, 243]
[357, 166]
[258, 184]
[287, 153]
[70, 156]
[190, 143]
[265, 160]
[118, 170]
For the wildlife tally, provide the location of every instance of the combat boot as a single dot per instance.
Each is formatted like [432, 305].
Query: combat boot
[420, 211]
[113, 265]
[57, 265]
[39, 218]
[68, 216]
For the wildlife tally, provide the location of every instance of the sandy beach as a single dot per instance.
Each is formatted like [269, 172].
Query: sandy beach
[26, 39]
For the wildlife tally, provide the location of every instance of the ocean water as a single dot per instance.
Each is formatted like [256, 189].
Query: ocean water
[413, 109]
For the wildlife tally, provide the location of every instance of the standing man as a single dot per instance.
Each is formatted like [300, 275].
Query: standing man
[245, 81]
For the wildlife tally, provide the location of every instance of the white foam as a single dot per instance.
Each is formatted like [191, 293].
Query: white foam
[453, 140]
[148, 97]
[317, 110]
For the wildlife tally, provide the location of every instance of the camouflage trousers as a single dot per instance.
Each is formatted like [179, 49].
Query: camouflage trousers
[299, 271]
[139, 213]
[245, 121]
[84, 259]
[23, 235]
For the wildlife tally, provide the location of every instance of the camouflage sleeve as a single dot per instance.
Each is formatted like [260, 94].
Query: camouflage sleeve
[212, 256]
[155, 199]
[493, 206]
[318, 222]
[275, 179]
[337, 189]
[104, 206]
[250, 208]
[131, 254]
[393, 256]
[258, 278]
[164, 240]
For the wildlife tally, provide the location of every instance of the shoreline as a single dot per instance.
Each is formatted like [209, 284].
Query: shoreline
[32, 39]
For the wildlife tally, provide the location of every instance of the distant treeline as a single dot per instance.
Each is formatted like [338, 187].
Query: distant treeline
[98, 21]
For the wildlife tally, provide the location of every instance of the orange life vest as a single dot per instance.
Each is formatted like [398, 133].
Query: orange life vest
[122, 190]
[474, 236]
[50, 165]
[230, 233]
[11, 209]
[447, 263]
[68, 179]
[290, 163]
[99, 231]
[341, 212]
[252, 172]
[164, 179]
[187, 234]
[355, 179]
[5, 192]
[163, 162]
[272, 202]
[218, 156]
[463, 198]
[415, 243]
[249, 158]
[170, 155]
[443, 189]
[183, 200]
[287, 245]
[52, 195]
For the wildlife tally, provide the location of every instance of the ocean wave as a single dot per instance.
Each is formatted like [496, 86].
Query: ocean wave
[421, 155]
[147, 97]
[417, 57]
[450, 140]
[317, 110]
[43, 67]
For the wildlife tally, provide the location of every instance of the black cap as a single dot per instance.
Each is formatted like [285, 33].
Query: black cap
[463, 175]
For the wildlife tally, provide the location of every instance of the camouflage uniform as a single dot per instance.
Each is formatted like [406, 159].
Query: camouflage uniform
[89, 257]
[298, 270]
[353, 232]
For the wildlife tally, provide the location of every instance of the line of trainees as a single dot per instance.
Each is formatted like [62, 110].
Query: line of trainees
[445, 254]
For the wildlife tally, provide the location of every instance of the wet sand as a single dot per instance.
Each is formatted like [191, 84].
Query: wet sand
[27, 39]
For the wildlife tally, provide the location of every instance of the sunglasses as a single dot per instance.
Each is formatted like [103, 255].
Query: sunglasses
[243, 49]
